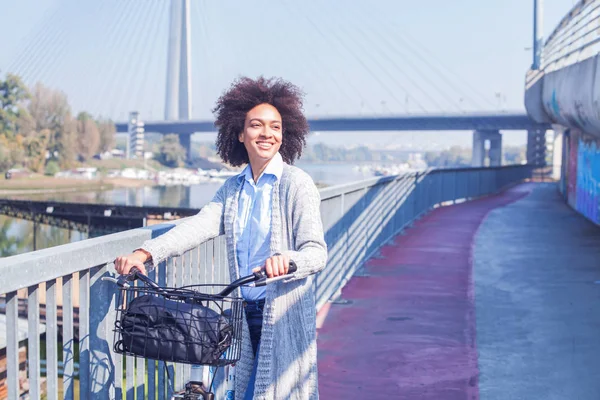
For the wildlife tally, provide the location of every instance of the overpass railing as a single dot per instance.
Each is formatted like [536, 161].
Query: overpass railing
[575, 38]
[69, 311]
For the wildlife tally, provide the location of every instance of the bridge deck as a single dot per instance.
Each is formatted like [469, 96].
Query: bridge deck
[493, 298]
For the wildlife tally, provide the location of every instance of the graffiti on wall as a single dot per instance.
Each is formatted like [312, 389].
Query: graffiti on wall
[572, 169]
[588, 177]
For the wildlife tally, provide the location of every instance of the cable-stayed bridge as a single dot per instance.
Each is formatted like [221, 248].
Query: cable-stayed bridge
[360, 70]
[442, 284]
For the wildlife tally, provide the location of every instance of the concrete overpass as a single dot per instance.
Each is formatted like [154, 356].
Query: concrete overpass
[486, 127]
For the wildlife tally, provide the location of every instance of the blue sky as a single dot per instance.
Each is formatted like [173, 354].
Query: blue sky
[351, 57]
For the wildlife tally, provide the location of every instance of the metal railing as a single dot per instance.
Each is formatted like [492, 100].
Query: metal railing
[578, 30]
[358, 219]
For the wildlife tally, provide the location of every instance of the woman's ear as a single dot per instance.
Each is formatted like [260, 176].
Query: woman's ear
[241, 137]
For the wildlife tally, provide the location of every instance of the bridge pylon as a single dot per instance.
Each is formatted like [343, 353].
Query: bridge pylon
[481, 152]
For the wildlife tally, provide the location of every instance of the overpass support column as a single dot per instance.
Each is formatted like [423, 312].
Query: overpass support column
[185, 139]
[536, 147]
[481, 152]
[557, 151]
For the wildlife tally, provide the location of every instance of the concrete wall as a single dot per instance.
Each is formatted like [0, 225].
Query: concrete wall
[580, 176]
[569, 96]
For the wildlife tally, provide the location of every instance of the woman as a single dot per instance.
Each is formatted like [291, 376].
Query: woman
[270, 214]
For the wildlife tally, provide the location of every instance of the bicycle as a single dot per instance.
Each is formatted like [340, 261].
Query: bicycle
[183, 325]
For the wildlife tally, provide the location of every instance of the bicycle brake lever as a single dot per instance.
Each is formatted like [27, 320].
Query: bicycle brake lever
[110, 279]
[121, 281]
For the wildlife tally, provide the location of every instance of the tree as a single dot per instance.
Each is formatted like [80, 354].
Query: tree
[36, 149]
[88, 136]
[50, 110]
[454, 157]
[107, 134]
[515, 154]
[170, 152]
[66, 143]
[9, 242]
[12, 95]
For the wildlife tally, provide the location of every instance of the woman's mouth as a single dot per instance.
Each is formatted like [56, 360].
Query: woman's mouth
[264, 145]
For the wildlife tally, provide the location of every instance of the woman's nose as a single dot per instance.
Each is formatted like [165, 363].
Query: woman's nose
[267, 132]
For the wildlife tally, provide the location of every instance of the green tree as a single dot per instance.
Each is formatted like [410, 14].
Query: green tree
[49, 109]
[170, 151]
[88, 136]
[107, 134]
[514, 154]
[456, 156]
[10, 244]
[12, 95]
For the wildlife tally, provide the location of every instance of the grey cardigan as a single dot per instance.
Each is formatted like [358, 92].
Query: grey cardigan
[287, 365]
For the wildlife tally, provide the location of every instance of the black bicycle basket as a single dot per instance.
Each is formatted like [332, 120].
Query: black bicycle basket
[182, 325]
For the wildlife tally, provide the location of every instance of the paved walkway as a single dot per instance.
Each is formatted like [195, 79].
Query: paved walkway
[491, 299]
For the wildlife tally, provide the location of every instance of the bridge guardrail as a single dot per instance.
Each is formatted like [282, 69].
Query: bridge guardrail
[358, 219]
[577, 31]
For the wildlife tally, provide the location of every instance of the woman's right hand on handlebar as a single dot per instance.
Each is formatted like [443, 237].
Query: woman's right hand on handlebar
[124, 264]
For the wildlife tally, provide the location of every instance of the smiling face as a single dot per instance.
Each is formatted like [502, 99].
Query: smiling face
[262, 134]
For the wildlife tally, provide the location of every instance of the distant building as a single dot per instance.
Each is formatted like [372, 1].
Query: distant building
[135, 144]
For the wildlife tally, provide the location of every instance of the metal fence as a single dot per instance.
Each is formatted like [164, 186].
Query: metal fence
[578, 30]
[62, 286]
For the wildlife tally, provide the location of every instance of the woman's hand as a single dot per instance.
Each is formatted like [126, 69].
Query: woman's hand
[124, 264]
[275, 266]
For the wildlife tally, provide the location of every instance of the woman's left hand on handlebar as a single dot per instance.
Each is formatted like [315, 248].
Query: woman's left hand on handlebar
[275, 266]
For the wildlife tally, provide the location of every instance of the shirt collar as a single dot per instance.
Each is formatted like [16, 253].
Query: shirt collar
[274, 167]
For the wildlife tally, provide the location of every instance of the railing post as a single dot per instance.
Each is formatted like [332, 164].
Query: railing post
[102, 373]
[416, 196]
[12, 344]
[33, 339]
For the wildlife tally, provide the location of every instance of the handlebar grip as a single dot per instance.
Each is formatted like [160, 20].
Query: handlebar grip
[292, 267]
[135, 273]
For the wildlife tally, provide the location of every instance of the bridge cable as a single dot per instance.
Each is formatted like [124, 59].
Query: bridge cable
[447, 70]
[153, 24]
[136, 36]
[374, 75]
[361, 62]
[42, 49]
[349, 80]
[116, 87]
[34, 38]
[200, 10]
[312, 61]
[116, 32]
[74, 75]
[391, 45]
[376, 45]
[53, 55]
[113, 21]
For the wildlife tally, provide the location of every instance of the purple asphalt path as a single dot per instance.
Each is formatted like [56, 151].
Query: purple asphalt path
[407, 330]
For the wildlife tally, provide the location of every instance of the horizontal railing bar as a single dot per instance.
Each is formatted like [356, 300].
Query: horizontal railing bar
[31, 268]
[39, 266]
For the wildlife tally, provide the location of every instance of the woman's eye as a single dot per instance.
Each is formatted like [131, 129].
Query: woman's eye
[277, 127]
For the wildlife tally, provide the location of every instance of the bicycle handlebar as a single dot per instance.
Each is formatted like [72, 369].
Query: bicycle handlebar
[256, 279]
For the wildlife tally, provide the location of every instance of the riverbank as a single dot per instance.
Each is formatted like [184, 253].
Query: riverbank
[47, 184]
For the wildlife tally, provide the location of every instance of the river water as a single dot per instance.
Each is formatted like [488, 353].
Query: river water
[16, 236]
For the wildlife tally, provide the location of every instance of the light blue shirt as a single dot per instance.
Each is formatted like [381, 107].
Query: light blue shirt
[253, 222]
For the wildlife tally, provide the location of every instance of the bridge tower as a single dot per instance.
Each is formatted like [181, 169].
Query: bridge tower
[178, 102]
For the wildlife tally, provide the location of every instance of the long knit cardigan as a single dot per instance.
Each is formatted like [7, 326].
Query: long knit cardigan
[287, 364]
